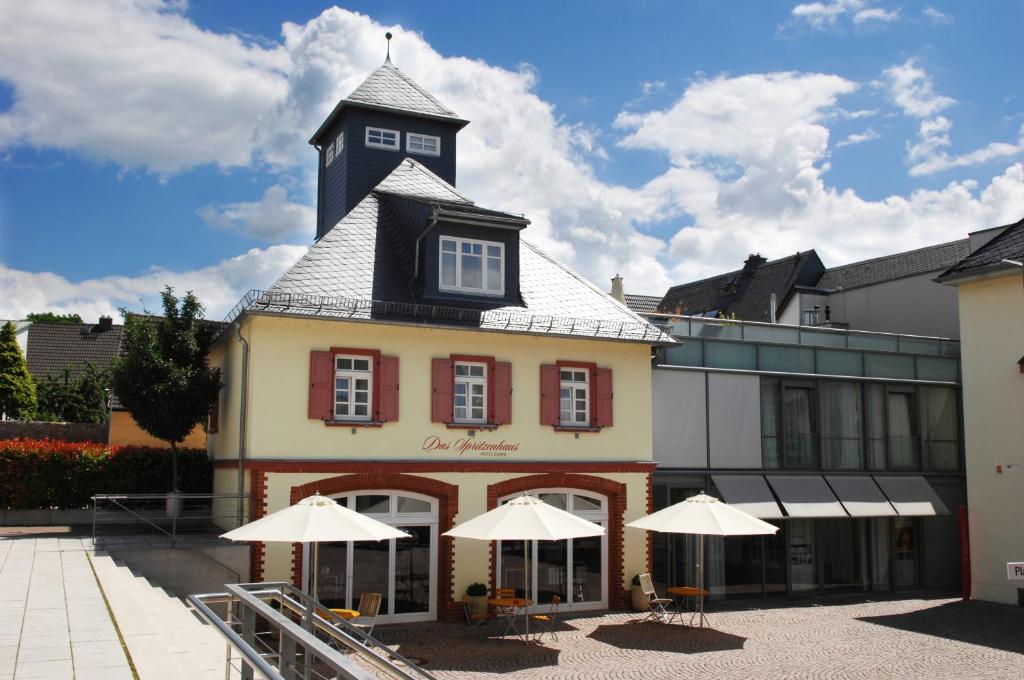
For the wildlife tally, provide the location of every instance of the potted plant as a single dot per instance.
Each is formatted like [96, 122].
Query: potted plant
[476, 600]
[641, 602]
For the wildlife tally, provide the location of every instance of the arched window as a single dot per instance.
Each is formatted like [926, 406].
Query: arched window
[574, 569]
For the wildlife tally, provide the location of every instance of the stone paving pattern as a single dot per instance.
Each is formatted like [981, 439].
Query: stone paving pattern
[53, 621]
[844, 638]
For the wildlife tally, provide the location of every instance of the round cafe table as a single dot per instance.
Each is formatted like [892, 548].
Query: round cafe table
[509, 607]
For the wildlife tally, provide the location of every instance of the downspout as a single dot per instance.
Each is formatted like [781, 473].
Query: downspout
[434, 214]
[243, 408]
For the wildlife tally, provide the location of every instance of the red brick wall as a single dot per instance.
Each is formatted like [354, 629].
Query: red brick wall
[257, 509]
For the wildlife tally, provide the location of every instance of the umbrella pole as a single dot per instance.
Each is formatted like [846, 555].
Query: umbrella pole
[526, 586]
[700, 580]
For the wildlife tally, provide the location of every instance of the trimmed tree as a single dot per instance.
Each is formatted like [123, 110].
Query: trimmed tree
[163, 377]
[50, 317]
[62, 398]
[17, 391]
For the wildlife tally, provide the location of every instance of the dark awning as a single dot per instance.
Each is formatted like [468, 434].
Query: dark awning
[749, 493]
[806, 496]
[860, 496]
[912, 496]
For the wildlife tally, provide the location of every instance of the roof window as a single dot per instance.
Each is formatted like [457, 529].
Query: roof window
[382, 139]
[423, 144]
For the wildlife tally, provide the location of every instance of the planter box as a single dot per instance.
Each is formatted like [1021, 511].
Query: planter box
[477, 607]
[641, 602]
[35, 518]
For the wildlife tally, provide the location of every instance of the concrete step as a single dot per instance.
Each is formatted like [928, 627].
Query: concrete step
[164, 639]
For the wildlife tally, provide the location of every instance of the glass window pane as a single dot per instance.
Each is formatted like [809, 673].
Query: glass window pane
[493, 275]
[461, 369]
[586, 569]
[769, 422]
[361, 364]
[565, 375]
[729, 355]
[822, 338]
[555, 499]
[889, 366]
[885, 343]
[876, 426]
[940, 428]
[771, 333]
[494, 251]
[447, 246]
[797, 429]
[344, 364]
[472, 271]
[476, 371]
[901, 440]
[937, 368]
[834, 362]
[840, 425]
[581, 502]
[448, 269]
[785, 359]
[689, 353]
[412, 569]
[373, 503]
[407, 504]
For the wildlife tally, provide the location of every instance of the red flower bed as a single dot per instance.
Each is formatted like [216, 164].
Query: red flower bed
[48, 473]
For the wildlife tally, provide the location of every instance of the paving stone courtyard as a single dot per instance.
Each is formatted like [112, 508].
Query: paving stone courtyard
[834, 638]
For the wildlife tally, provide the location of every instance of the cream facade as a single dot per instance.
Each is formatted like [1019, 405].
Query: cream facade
[992, 329]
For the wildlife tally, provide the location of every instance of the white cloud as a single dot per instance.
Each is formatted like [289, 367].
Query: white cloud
[218, 286]
[133, 82]
[858, 138]
[937, 17]
[876, 14]
[272, 219]
[651, 87]
[911, 89]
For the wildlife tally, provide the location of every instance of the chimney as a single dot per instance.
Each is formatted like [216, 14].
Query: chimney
[105, 324]
[753, 261]
[617, 291]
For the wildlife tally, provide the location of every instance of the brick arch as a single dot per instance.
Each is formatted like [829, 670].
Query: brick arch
[616, 495]
[447, 496]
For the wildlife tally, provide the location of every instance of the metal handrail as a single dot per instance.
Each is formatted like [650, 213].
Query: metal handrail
[235, 640]
[313, 617]
[173, 535]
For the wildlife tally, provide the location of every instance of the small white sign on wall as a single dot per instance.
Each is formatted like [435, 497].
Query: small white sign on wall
[1015, 571]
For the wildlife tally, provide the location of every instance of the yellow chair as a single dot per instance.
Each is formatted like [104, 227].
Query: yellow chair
[546, 622]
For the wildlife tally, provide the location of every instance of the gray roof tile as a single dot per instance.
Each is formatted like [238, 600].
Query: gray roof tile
[896, 266]
[356, 270]
[389, 88]
[52, 347]
[643, 304]
[1009, 245]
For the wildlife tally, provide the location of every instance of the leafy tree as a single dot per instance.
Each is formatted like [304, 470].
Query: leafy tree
[74, 400]
[17, 392]
[163, 378]
[50, 317]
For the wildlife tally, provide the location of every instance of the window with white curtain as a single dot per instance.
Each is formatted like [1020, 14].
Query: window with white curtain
[901, 437]
[841, 444]
[940, 427]
[798, 431]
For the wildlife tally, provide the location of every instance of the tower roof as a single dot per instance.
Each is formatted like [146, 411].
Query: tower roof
[389, 89]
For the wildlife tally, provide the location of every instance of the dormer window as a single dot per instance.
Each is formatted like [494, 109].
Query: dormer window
[339, 144]
[471, 266]
[329, 156]
[423, 144]
[380, 138]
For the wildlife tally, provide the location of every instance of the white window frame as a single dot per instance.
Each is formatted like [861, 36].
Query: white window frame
[339, 143]
[397, 146]
[352, 375]
[599, 516]
[458, 287]
[329, 155]
[572, 384]
[415, 137]
[469, 381]
[392, 518]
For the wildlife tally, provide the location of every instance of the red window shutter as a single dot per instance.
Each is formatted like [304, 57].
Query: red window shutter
[321, 384]
[549, 412]
[602, 397]
[442, 404]
[387, 381]
[502, 409]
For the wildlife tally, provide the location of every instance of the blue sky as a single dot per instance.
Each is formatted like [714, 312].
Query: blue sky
[144, 143]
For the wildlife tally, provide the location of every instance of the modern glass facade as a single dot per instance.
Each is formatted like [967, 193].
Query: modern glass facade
[845, 410]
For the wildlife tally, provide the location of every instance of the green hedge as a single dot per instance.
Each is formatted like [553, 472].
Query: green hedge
[46, 473]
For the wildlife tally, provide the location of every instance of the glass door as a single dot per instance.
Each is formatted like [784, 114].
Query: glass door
[572, 569]
[402, 570]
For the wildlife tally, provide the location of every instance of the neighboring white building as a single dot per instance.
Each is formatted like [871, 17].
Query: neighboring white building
[20, 333]
[990, 283]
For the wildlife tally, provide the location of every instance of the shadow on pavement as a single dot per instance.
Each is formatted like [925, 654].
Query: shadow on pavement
[986, 624]
[480, 654]
[661, 637]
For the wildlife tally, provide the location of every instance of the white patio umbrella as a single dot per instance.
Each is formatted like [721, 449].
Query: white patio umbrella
[703, 515]
[314, 520]
[525, 518]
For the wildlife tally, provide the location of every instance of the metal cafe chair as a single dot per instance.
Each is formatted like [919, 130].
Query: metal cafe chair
[369, 608]
[508, 612]
[546, 622]
[659, 605]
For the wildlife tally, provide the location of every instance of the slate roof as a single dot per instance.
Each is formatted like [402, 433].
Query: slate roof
[389, 89]
[987, 259]
[360, 269]
[643, 304]
[897, 266]
[53, 346]
[745, 293]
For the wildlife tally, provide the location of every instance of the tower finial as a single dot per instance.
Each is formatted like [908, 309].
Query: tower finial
[388, 36]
